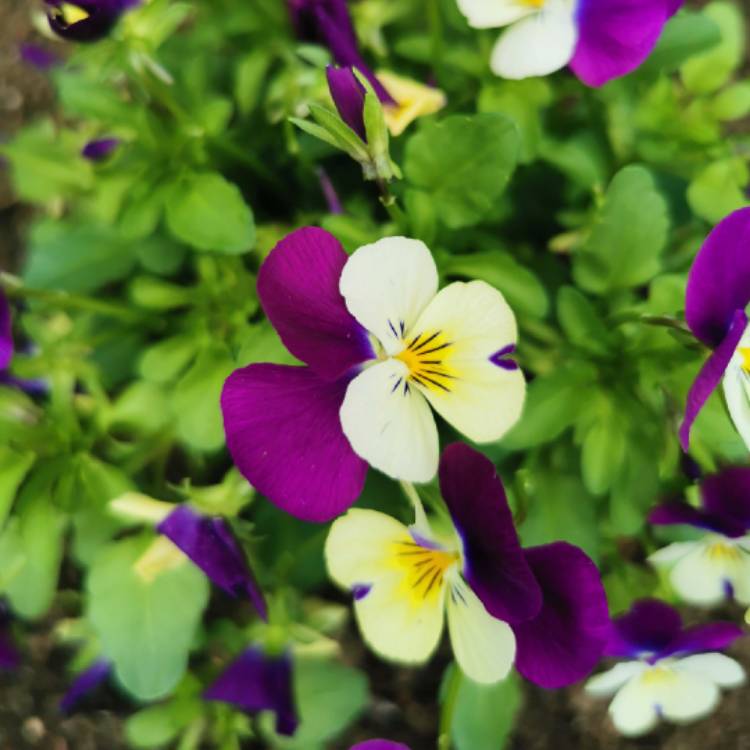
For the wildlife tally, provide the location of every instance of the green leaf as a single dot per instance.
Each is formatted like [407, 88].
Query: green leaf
[164, 361]
[207, 212]
[464, 162]
[484, 715]
[195, 400]
[603, 449]
[249, 79]
[630, 233]
[581, 322]
[329, 697]
[156, 726]
[523, 290]
[146, 627]
[719, 189]
[14, 466]
[703, 74]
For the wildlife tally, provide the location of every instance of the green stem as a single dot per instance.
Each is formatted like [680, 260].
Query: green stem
[14, 287]
[663, 321]
[436, 34]
[389, 202]
[448, 711]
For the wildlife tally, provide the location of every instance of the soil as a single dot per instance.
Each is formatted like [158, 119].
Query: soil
[404, 705]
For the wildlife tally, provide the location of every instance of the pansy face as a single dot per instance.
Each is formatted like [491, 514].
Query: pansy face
[86, 20]
[600, 39]
[448, 350]
[736, 385]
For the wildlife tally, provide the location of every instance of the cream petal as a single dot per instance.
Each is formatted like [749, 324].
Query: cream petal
[387, 284]
[490, 14]
[719, 668]
[609, 682]
[461, 330]
[484, 647]
[537, 45]
[633, 711]
[687, 697]
[389, 423]
[736, 385]
[701, 576]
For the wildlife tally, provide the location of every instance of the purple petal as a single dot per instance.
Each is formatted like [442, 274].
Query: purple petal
[616, 36]
[10, 658]
[647, 628]
[712, 637]
[99, 149]
[210, 544]
[379, 745]
[257, 682]
[6, 333]
[284, 433]
[494, 564]
[348, 95]
[726, 495]
[673, 6]
[101, 19]
[719, 281]
[329, 192]
[298, 285]
[564, 642]
[39, 57]
[87, 681]
[677, 513]
[710, 376]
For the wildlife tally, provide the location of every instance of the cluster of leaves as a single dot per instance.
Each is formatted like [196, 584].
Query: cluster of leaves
[584, 207]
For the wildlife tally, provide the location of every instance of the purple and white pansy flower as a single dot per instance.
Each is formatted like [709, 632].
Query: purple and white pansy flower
[718, 292]
[673, 673]
[708, 570]
[257, 681]
[86, 20]
[383, 348]
[599, 39]
[542, 608]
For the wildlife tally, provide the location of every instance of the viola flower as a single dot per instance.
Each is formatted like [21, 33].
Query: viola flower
[256, 681]
[381, 346]
[718, 290]
[675, 673]
[717, 566]
[543, 608]
[86, 20]
[86, 682]
[328, 22]
[209, 543]
[599, 39]
[99, 149]
[348, 95]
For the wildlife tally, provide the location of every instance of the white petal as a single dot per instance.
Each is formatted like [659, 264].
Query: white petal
[687, 697]
[736, 385]
[401, 598]
[610, 682]
[701, 577]
[718, 668]
[490, 14]
[484, 647]
[633, 711]
[670, 554]
[537, 45]
[389, 423]
[479, 398]
[386, 286]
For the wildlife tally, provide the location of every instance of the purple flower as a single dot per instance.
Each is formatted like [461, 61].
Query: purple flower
[718, 291]
[38, 56]
[6, 333]
[328, 22]
[85, 20]
[675, 673]
[706, 571]
[210, 544]
[99, 149]
[87, 681]
[255, 682]
[303, 436]
[348, 95]
[379, 745]
[542, 608]
[599, 39]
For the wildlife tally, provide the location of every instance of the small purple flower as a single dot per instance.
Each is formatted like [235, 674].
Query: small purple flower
[86, 682]
[210, 544]
[99, 149]
[718, 291]
[348, 95]
[86, 20]
[256, 681]
[706, 571]
[328, 22]
[39, 57]
[675, 673]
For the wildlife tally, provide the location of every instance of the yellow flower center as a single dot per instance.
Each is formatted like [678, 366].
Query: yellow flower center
[425, 357]
[71, 14]
[423, 569]
[722, 552]
[745, 354]
[533, 3]
[656, 675]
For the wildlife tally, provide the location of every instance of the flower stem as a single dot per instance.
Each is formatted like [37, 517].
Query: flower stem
[389, 202]
[449, 708]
